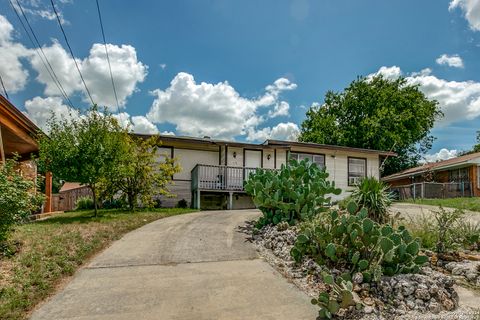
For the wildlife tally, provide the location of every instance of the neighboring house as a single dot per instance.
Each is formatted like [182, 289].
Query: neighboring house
[213, 171]
[67, 196]
[17, 138]
[455, 177]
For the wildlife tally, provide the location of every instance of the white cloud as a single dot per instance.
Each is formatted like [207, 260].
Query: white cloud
[443, 154]
[390, 73]
[280, 109]
[143, 125]
[282, 131]
[471, 10]
[64, 68]
[451, 61]
[40, 110]
[126, 69]
[459, 100]
[136, 124]
[13, 73]
[215, 110]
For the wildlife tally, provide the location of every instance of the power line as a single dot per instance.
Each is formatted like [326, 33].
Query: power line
[37, 47]
[3, 86]
[106, 52]
[71, 51]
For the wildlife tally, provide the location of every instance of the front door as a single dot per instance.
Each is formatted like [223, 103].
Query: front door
[253, 159]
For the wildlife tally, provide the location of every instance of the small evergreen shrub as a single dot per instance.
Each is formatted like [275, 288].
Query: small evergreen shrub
[296, 192]
[373, 195]
[113, 204]
[182, 204]
[84, 203]
[352, 241]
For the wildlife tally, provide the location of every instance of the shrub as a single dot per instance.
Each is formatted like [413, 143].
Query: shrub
[113, 204]
[294, 193]
[18, 199]
[356, 243]
[182, 204]
[84, 203]
[469, 234]
[374, 196]
[446, 223]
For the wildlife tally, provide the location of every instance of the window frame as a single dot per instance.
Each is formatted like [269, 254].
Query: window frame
[313, 154]
[348, 169]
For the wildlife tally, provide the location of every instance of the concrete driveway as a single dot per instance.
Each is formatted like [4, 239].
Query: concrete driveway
[193, 266]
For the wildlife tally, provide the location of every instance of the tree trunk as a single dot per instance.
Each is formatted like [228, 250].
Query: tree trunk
[94, 200]
[131, 201]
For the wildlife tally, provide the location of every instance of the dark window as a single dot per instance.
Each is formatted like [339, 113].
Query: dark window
[357, 169]
[459, 175]
[319, 159]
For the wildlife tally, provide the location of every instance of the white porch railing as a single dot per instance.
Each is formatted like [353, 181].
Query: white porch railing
[210, 177]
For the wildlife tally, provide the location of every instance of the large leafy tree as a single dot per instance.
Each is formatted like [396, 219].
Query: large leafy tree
[141, 174]
[376, 113]
[85, 149]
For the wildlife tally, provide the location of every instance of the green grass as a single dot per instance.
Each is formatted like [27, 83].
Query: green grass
[53, 249]
[472, 204]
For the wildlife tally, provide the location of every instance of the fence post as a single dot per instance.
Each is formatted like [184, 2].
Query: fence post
[423, 190]
[414, 192]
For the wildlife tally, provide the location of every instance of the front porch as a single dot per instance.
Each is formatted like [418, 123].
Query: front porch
[213, 179]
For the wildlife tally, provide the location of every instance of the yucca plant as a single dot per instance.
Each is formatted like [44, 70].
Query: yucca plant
[374, 196]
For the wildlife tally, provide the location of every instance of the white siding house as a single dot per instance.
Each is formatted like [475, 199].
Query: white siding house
[213, 171]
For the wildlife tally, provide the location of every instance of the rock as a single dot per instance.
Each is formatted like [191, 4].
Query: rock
[407, 289]
[368, 301]
[368, 309]
[434, 307]
[448, 304]
[433, 289]
[422, 294]
[458, 271]
[410, 304]
[471, 275]
[450, 266]
[357, 278]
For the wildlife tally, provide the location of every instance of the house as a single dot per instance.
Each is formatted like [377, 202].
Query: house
[213, 171]
[454, 177]
[18, 139]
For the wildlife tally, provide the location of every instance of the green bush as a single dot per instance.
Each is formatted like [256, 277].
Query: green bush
[356, 243]
[18, 199]
[296, 192]
[84, 203]
[374, 196]
[182, 204]
[447, 221]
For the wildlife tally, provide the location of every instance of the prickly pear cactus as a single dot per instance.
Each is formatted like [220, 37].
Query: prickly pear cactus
[353, 241]
[294, 193]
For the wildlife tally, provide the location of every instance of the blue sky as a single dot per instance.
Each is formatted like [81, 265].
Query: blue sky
[246, 69]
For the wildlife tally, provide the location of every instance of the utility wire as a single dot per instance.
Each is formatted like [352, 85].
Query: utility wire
[3, 86]
[37, 47]
[71, 51]
[106, 52]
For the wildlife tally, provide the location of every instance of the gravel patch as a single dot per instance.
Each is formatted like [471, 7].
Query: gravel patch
[427, 295]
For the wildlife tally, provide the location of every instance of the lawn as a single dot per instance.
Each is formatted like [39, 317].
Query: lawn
[53, 249]
[472, 204]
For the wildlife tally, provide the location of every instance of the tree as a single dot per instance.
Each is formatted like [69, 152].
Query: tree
[84, 149]
[18, 198]
[140, 175]
[476, 148]
[376, 113]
